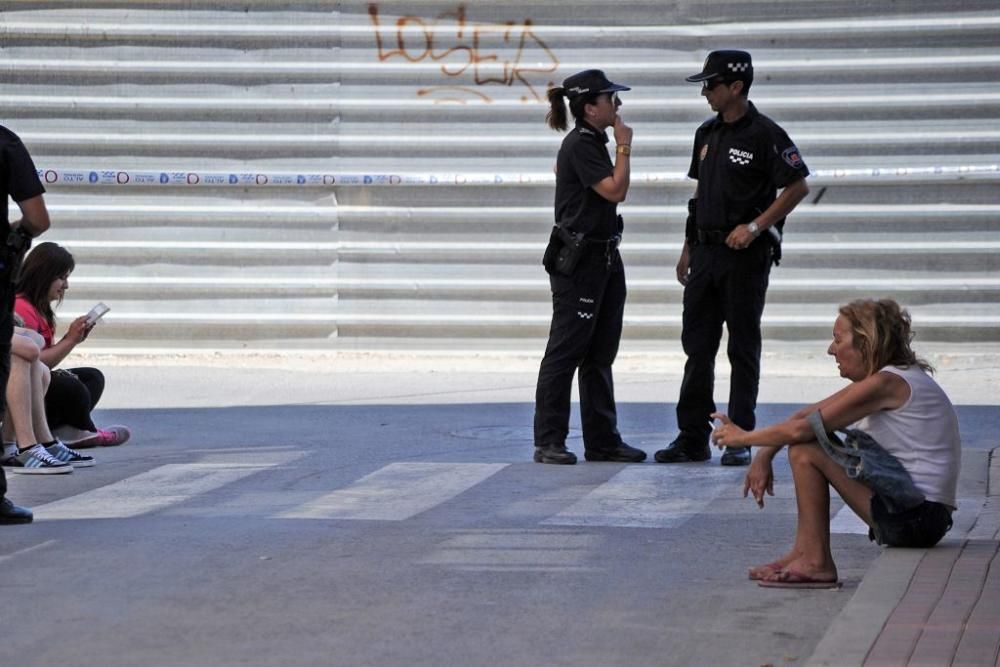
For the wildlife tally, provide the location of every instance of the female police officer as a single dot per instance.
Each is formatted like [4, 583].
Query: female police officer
[586, 274]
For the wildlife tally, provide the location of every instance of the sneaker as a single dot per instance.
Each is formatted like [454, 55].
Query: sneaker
[37, 461]
[111, 436]
[63, 453]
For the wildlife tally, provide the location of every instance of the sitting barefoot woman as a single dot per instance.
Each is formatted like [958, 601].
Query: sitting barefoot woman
[891, 398]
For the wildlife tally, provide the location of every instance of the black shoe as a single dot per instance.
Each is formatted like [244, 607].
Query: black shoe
[684, 450]
[554, 454]
[736, 456]
[621, 454]
[11, 513]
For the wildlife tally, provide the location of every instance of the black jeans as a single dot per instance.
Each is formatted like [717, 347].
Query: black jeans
[724, 286]
[71, 397]
[4, 374]
[587, 309]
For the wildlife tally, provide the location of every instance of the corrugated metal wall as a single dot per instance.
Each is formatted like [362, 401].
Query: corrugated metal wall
[256, 173]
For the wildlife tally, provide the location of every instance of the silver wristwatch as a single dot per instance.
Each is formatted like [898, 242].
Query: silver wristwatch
[754, 229]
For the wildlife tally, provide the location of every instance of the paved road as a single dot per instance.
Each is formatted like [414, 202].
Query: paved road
[267, 517]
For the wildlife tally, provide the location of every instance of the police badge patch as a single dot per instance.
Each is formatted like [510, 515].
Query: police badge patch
[792, 158]
[704, 152]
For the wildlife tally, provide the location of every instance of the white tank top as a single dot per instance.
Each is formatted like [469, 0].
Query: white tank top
[923, 434]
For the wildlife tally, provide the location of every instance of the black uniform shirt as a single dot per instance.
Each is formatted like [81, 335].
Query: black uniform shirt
[739, 167]
[19, 180]
[583, 162]
[18, 176]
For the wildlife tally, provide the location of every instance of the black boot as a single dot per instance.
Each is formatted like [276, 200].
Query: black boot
[736, 456]
[557, 454]
[11, 513]
[684, 450]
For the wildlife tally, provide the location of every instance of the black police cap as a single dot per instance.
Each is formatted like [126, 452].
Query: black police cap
[590, 82]
[729, 65]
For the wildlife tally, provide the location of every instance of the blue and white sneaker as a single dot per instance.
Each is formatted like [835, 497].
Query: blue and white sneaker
[37, 461]
[63, 453]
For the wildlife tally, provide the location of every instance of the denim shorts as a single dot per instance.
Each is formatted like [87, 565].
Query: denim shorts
[921, 527]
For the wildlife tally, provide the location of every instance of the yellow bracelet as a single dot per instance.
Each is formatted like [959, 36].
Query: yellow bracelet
[623, 149]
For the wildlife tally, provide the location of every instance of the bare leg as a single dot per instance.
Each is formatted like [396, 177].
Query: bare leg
[814, 472]
[19, 400]
[40, 375]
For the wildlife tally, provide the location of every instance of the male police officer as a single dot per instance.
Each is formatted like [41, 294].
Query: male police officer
[18, 180]
[741, 159]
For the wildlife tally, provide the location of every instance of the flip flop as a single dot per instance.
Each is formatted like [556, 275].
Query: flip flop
[792, 579]
[773, 568]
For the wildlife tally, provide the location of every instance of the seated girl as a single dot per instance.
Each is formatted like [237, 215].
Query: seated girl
[73, 394]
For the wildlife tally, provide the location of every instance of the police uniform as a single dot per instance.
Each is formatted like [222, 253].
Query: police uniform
[587, 303]
[19, 181]
[739, 167]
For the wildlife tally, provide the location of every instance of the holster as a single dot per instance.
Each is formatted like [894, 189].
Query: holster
[11, 253]
[563, 252]
[691, 226]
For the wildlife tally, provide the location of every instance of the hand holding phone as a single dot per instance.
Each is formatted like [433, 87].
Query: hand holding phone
[96, 313]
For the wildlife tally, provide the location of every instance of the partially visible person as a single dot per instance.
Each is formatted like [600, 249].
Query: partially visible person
[28, 445]
[74, 393]
[750, 176]
[585, 273]
[893, 399]
[18, 181]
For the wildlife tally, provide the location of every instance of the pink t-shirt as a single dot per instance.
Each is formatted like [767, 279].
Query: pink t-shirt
[33, 319]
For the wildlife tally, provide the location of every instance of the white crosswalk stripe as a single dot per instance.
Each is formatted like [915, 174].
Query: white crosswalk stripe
[650, 497]
[158, 488]
[397, 492]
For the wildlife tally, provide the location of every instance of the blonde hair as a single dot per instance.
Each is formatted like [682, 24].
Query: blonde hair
[881, 333]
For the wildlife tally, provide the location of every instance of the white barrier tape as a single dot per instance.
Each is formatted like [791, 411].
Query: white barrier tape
[125, 177]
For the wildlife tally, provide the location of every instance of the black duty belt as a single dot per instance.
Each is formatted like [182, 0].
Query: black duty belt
[713, 236]
[603, 244]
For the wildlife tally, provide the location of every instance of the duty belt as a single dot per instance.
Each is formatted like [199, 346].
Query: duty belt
[607, 244]
[713, 236]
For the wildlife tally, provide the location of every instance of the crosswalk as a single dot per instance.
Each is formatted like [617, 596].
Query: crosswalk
[631, 496]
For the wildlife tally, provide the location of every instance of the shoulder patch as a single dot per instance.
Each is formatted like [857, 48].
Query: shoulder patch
[792, 157]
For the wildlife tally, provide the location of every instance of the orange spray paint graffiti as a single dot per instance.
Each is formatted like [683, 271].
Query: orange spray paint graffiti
[477, 54]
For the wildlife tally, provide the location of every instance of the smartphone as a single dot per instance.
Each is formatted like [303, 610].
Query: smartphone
[96, 313]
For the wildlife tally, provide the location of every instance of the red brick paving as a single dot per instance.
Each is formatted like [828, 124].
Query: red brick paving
[949, 615]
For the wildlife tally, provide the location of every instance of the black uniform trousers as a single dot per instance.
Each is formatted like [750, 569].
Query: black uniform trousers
[587, 310]
[724, 286]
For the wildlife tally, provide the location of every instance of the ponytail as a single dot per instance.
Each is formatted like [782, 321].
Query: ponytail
[556, 116]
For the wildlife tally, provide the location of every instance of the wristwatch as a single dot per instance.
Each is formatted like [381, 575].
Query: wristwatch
[754, 229]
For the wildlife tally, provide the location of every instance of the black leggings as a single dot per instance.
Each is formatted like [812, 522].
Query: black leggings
[72, 395]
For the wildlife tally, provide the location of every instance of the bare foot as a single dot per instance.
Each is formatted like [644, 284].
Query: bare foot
[759, 572]
[801, 570]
